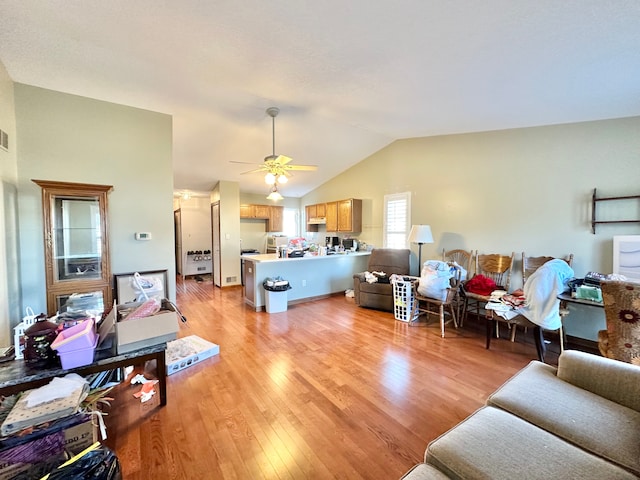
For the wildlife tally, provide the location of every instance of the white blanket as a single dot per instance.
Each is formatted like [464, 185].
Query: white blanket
[541, 291]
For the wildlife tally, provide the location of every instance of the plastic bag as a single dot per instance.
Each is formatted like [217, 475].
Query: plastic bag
[435, 279]
[277, 284]
[97, 463]
[147, 287]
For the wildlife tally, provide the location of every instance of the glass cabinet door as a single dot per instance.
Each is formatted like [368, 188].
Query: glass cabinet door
[75, 241]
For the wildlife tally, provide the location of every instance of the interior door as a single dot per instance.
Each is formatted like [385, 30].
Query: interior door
[215, 236]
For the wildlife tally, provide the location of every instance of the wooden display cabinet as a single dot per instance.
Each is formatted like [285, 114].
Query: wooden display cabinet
[76, 241]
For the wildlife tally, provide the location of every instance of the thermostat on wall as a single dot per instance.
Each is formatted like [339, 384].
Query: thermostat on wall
[143, 236]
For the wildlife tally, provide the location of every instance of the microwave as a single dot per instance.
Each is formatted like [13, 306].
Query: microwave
[275, 241]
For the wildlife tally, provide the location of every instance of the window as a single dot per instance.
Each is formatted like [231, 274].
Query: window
[290, 222]
[397, 215]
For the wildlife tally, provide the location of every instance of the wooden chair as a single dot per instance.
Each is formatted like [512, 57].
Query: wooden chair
[449, 303]
[530, 265]
[494, 266]
[543, 290]
[462, 258]
[621, 339]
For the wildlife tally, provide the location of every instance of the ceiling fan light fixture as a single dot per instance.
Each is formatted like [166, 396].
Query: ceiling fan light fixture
[282, 178]
[270, 178]
[274, 195]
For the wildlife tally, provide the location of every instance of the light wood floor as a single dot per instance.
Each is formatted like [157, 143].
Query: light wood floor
[325, 390]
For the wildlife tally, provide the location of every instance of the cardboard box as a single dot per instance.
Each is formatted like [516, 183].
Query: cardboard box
[141, 332]
[187, 351]
[73, 439]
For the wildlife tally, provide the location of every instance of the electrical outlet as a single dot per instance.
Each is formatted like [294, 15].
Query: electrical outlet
[304, 283]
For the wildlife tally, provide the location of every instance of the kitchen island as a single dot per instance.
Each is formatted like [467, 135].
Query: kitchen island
[311, 277]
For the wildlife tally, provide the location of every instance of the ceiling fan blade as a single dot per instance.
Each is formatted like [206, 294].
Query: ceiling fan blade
[309, 168]
[283, 159]
[244, 163]
[261, 169]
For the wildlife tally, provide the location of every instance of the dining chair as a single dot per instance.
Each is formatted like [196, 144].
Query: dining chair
[541, 311]
[494, 266]
[447, 305]
[463, 258]
[529, 266]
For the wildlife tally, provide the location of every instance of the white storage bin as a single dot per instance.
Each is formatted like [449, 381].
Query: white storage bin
[275, 301]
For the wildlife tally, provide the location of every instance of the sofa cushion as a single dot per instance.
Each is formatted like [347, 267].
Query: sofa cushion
[423, 471]
[493, 444]
[618, 381]
[603, 427]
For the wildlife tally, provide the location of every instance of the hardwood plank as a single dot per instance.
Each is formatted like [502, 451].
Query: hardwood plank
[324, 390]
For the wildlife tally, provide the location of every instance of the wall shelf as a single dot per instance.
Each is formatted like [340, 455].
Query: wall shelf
[595, 200]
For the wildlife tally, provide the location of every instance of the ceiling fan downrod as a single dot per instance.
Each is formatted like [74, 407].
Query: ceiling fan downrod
[273, 113]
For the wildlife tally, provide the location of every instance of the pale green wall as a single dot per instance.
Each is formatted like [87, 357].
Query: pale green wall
[76, 139]
[10, 308]
[514, 190]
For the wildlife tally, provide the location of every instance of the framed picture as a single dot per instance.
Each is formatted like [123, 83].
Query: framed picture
[125, 288]
[626, 256]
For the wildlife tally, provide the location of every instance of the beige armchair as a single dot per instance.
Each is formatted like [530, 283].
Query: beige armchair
[380, 295]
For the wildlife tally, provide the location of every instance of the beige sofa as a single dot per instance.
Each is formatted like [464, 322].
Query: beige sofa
[580, 420]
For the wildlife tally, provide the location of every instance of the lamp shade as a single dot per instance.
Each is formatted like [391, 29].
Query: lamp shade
[420, 234]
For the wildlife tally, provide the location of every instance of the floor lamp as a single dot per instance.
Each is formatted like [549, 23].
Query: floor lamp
[420, 234]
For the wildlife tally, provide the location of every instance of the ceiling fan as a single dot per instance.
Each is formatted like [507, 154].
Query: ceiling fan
[277, 167]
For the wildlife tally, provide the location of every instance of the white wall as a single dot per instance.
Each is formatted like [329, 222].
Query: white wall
[75, 139]
[516, 190]
[228, 193]
[10, 304]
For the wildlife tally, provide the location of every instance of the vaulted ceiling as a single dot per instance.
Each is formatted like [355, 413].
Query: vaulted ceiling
[348, 76]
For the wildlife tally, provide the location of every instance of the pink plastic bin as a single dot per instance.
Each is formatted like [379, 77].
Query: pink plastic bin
[78, 358]
[80, 336]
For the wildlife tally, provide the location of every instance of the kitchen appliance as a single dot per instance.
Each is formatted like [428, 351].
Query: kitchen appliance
[350, 244]
[332, 241]
[275, 241]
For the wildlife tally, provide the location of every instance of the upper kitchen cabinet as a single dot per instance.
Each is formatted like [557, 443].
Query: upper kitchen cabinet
[76, 241]
[276, 219]
[274, 215]
[341, 216]
[349, 215]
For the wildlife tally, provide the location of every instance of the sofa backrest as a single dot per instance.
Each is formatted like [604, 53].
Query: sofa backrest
[612, 379]
[390, 260]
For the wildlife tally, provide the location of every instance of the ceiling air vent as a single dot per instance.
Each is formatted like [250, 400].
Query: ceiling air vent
[4, 140]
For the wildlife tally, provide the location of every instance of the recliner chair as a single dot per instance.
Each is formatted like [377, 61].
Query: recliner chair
[380, 295]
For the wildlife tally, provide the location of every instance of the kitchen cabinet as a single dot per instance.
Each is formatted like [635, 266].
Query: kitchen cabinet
[350, 215]
[76, 241]
[276, 219]
[255, 211]
[341, 216]
[332, 216]
[274, 215]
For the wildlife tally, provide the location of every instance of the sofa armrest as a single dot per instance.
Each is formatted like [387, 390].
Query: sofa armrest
[357, 278]
[611, 379]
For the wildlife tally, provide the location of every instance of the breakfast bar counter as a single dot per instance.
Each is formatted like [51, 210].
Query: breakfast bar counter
[311, 277]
